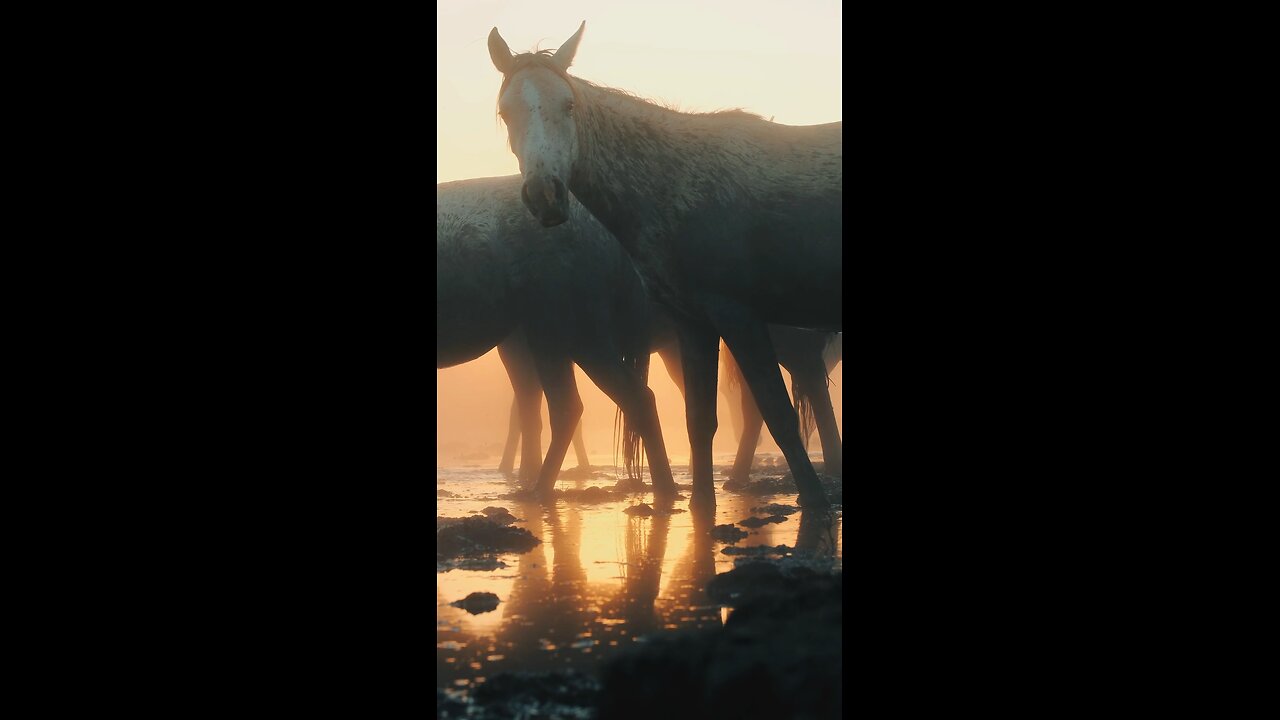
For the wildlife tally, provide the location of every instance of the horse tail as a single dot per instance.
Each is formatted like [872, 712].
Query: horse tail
[632, 446]
[633, 340]
[804, 410]
[832, 353]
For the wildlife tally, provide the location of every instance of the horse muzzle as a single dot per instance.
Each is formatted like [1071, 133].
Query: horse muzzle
[548, 199]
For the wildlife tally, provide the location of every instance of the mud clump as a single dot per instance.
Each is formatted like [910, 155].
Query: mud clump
[641, 510]
[478, 536]
[632, 485]
[482, 563]
[755, 522]
[477, 602]
[500, 515]
[727, 533]
[783, 485]
[757, 550]
[444, 494]
[580, 472]
[776, 509]
[778, 656]
[592, 494]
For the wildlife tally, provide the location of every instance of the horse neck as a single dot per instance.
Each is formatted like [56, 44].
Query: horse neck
[640, 166]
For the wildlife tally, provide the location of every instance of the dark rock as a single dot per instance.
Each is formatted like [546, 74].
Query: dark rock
[641, 510]
[444, 494]
[755, 522]
[477, 535]
[778, 656]
[727, 533]
[477, 602]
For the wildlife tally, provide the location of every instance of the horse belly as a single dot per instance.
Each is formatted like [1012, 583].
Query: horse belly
[788, 272]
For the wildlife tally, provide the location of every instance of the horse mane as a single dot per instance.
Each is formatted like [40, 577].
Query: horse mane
[542, 58]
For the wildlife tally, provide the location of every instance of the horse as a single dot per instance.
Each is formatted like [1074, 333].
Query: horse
[735, 223]
[567, 295]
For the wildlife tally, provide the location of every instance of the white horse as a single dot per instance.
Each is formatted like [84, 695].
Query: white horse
[735, 223]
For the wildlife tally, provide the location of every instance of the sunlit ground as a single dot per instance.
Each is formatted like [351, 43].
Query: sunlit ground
[600, 581]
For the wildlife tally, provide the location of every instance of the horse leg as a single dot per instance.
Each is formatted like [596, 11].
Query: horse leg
[811, 381]
[699, 354]
[513, 439]
[580, 448]
[671, 360]
[752, 423]
[636, 400]
[748, 339]
[565, 408]
[518, 360]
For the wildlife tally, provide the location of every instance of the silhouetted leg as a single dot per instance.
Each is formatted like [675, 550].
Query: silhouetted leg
[513, 439]
[580, 447]
[637, 403]
[518, 361]
[671, 361]
[828, 431]
[565, 408]
[749, 341]
[699, 352]
[752, 423]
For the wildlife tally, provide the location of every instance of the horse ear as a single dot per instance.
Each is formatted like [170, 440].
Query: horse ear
[499, 52]
[564, 56]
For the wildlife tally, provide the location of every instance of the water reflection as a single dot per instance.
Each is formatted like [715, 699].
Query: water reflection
[818, 533]
[600, 582]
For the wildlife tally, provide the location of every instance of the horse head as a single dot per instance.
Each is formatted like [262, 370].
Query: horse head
[536, 102]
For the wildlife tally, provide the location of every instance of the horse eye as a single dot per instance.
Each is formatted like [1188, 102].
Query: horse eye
[570, 106]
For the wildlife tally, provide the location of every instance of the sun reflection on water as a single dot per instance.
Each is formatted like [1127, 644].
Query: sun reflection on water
[599, 582]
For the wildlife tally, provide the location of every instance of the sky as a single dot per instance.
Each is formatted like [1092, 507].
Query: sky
[781, 60]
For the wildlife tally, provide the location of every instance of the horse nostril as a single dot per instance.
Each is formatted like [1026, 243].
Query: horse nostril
[550, 191]
[559, 190]
[528, 200]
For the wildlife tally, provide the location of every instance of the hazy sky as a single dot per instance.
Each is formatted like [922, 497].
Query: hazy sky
[778, 59]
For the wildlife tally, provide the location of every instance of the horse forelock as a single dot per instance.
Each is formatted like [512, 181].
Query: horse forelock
[524, 61]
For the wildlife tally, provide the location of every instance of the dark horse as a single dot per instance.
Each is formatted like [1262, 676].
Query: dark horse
[735, 223]
[573, 295]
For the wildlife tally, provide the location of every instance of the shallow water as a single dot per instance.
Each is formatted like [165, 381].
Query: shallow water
[601, 580]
